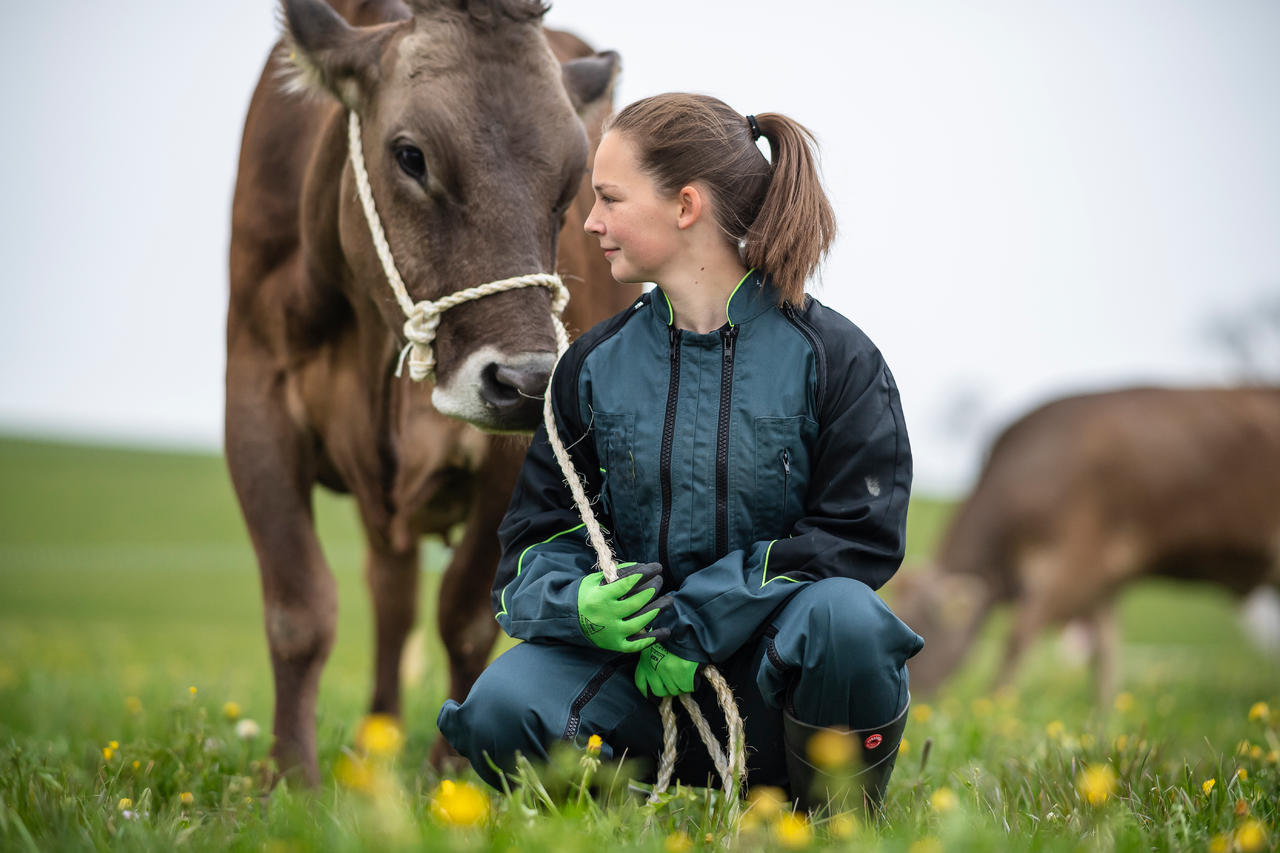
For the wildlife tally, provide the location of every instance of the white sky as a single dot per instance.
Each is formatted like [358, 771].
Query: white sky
[1034, 197]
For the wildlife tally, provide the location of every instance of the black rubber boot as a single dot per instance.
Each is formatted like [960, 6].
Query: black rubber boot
[856, 767]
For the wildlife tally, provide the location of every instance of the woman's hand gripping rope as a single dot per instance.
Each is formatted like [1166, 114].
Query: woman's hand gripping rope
[614, 615]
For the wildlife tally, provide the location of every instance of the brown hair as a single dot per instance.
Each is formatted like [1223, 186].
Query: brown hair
[780, 210]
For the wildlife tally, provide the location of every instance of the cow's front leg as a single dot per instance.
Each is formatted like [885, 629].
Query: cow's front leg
[393, 583]
[272, 472]
[467, 626]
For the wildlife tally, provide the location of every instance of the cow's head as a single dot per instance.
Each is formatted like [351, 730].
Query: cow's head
[946, 609]
[474, 149]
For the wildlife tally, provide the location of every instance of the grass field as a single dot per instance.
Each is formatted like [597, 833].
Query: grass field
[130, 616]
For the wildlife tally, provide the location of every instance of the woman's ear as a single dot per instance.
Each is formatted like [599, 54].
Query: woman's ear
[692, 204]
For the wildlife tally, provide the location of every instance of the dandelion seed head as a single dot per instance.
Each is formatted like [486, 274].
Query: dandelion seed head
[247, 729]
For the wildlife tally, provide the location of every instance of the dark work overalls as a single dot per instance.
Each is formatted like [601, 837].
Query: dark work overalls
[766, 467]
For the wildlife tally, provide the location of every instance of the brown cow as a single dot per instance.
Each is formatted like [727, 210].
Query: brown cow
[476, 160]
[1087, 493]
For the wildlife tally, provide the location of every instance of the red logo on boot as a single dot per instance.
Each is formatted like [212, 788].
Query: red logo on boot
[872, 741]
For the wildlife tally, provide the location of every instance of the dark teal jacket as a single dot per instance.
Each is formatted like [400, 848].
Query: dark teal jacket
[748, 462]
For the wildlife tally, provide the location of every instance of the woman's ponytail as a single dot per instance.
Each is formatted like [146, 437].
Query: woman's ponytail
[779, 209]
[795, 226]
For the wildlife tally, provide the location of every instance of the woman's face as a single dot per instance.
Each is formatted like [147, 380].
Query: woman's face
[635, 224]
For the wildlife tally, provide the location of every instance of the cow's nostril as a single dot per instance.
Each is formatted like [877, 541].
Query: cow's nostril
[504, 386]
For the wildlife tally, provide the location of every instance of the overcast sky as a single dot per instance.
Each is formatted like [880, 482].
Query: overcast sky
[1034, 198]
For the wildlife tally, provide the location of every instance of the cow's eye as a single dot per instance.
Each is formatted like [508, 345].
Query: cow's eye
[411, 161]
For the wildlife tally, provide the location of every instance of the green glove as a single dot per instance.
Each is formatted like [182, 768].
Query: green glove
[663, 673]
[613, 615]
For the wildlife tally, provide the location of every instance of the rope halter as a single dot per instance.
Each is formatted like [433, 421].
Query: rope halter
[424, 317]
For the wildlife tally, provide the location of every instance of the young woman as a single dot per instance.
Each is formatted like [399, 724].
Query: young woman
[747, 448]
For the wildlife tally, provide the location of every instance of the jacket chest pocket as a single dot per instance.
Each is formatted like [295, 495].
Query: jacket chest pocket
[782, 474]
[615, 447]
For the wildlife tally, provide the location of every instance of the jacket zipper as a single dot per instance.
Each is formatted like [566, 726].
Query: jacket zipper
[819, 351]
[729, 339]
[668, 436]
[588, 693]
[786, 479]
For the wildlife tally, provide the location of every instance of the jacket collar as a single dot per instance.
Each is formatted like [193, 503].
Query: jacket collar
[754, 295]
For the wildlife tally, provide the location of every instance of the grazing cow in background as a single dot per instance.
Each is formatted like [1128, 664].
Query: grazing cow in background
[477, 141]
[1088, 493]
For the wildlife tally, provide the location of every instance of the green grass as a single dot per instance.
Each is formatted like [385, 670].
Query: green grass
[126, 578]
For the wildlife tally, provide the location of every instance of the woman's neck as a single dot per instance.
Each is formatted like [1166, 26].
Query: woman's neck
[700, 294]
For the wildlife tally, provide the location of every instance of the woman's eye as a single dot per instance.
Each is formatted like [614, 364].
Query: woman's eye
[411, 161]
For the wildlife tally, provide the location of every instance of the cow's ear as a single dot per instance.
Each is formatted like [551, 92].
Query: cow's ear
[328, 54]
[589, 81]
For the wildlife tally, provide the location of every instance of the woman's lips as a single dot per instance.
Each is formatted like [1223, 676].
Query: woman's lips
[608, 253]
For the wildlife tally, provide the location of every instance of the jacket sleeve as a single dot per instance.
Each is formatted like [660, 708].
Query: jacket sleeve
[854, 524]
[545, 550]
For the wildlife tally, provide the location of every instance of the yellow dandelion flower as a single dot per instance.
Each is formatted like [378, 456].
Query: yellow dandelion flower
[125, 803]
[1055, 729]
[1121, 743]
[1242, 748]
[186, 798]
[353, 772]
[842, 826]
[192, 690]
[1124, 702]
[593, 744]
[830, 749]
[133, 704]
[1242, 774]
[107, 752]
[1259, 712]
[925, 845]
[231, 710]
[459, 803]
[943, 800]
[766, 801]
[380, 736]
[1251, 836]
[1220, 843]
[1096, 783]
[921, 713]
[1255, 752]
[677, 842]
[114, 744]
[793, 831]
[137, 764]
[1242, 807]
[1207, 785]
[904, 746]
[983, 707]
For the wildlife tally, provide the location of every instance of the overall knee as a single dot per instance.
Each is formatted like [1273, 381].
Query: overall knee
[495, 720]
[847, 620]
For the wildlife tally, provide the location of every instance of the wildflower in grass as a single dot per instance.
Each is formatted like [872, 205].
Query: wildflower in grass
[943, 800]
[1207, 785]
[793, 831]
[459, 803]
[677, 842]
[1242, 774]
[186, 798]
[125, 803]
[107, 753]
[925, 845]
[904, 746]
[1096, 783]
[1251, 836]
[1124, 702]
[380, 736]
[593, 744]
[766, 801]
[192, 690]
[921, 713]
[1242, 807]
[1255, 752]
[133, 704]
[1259, 712]
[354, 772]
[231, 710]
[1055, 729]
[1220, 843]
[830, 749]
[137, 764]
[247, 729]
